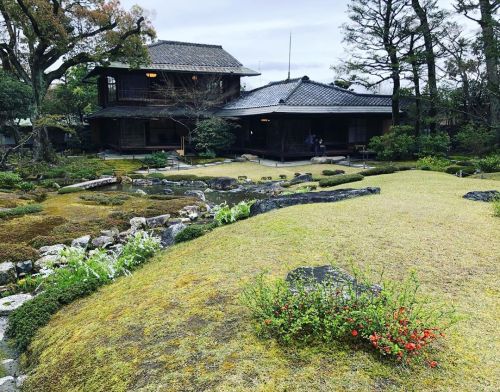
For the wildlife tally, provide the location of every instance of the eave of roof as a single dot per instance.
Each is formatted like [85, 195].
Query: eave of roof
[303, 110]
[143, 112]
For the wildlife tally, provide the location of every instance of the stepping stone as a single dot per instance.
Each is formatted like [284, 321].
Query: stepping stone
[12, 302]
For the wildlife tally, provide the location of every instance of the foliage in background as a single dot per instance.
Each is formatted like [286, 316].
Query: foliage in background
[475, 139]
[397, 144]
[489, 164]
[437, 144]
[213, 136]
[396, 323]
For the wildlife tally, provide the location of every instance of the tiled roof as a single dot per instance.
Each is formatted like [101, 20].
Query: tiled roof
[191, 57]
[303, 95]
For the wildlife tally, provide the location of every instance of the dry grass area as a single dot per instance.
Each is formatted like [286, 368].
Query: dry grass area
[178, 323]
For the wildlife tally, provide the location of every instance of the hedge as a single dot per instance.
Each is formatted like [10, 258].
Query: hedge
[342, 179]
[379, 170]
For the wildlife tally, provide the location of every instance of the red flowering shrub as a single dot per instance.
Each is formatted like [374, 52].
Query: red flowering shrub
[395, 322]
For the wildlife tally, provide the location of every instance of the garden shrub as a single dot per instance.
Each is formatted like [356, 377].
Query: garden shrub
[213, 135]
[20, 211]
[9, 180]
[17, 252]
[26, 186]
[378, 170]
[225, 214]
[332, 172]
[193, 231]
[475, 139]
[397, 144]
[188, 177]
[434, 145]
[396, 322]
[466, 170]
[155, 176]
[342, 179]
[103, 199]
[433, 163]
[489, 164]
[156, 160]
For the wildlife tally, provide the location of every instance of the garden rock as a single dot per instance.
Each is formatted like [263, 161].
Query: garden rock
[24, 267]
[20, 380]
[46, 262]
[326, 160]
[7, 273]
[8, 384]
[4, 322]
[198, 194]
[169, 234]
[223, 183]
[137, 223]
[12, 302]
[103, 241]
[249, 157]
[302, 178]
[142, 182]
[11, 367]
[110, 233]
[335, 278]
[51, 249]
[168, 191]
[81, 242]
[140, 192]
[191, 212]
[485, 196]
[262, 206]
[157, 221]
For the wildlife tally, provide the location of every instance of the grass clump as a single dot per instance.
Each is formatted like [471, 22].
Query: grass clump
[496, 207]
[337, 180]
[332, 172]
[194, 231]
[393, 321]
[20, 211]
[375, 171]
[17, 252]
[103, 199]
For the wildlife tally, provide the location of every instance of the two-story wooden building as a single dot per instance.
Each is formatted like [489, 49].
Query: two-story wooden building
[152, 108]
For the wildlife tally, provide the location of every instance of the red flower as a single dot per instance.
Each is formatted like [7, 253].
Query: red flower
[354, 332]
[433, 364]
[410, 346]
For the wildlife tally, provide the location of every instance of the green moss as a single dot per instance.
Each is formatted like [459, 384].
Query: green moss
[17, 252]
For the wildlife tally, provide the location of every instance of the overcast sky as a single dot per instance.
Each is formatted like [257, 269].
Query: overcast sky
[257, 32]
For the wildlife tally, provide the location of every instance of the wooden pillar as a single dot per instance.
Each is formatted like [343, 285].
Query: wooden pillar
[283, 134]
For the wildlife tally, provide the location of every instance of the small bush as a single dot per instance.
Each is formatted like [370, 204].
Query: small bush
[63, 191]
[17, 252]
[20, 211]
[103, 199]
[399, 143]
[433, 163]
[26, 186]
[225, 214]
[332, 172]
[9, 180]
[213, 135]
[489, 164]
[466, 170]
[156, 160]
[433, 145]
[337, 180]
[193, 231]
[378, 170]
[395, 323]
[155, 176]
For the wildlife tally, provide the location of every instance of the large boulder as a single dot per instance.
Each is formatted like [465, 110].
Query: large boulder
[223, 183]
[334, 278]
[47, 261]
[12, 302]
[81, 242]
[137, 223]
[169, 234]
[157, 221]
[262, 206]
[191, 212]
[7, 273]
[485, 196]
[51, 249]
[8, 384]
[305, 177]
[103, 241]
[196, 193]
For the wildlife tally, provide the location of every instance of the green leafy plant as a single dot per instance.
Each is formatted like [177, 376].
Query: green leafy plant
[20, 211]
[337, 180]
[9, 180]
[397, 144]
[156, 160]
[489, 164]
[433, 163]
[225, 214]
[434, 145]
[396, 322]
[379, 170]
[213, 135]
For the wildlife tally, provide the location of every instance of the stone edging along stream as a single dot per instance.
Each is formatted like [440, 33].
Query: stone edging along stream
[15, 378]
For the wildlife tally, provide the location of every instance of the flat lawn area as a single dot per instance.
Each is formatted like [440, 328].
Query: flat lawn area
[178, 323]
[255, 171]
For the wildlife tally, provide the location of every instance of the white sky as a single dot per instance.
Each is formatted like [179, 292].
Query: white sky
[257, 32]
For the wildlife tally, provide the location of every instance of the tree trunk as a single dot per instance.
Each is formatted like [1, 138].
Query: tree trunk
[416, 85]
[430, 59]
[490, 47]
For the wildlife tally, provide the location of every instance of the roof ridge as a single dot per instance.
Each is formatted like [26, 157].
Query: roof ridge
[160, 42]
[273, 84]
[349, 91]
[304, 78]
